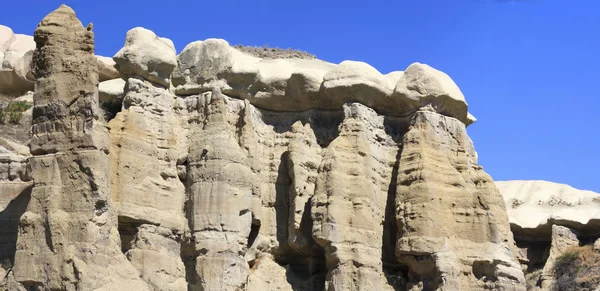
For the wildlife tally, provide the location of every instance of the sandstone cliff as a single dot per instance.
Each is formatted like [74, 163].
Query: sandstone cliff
[222, 170]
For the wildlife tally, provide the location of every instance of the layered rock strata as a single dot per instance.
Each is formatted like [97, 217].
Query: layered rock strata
[67, 237]
[225, 171]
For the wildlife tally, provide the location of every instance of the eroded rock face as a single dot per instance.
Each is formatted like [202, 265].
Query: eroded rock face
[225, 171]
[563, 238]
[452, 228]
[68, 238]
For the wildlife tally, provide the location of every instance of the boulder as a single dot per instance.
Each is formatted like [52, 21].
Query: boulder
[201, 65]
[146, 55]
[106, 69]
[422, 85]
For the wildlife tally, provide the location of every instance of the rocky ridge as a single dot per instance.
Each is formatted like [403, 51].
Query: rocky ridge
[225, 171]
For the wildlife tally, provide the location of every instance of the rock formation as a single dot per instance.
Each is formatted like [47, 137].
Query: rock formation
[221, 170]
[67, 236]
[534, 206]
[546, 219]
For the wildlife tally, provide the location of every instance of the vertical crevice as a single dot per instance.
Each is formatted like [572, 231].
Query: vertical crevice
[188, 257]
[187, 248]
[282, 198]
[395, 272]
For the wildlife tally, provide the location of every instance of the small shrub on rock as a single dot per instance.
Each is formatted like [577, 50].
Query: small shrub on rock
[13, 112]
[577, 269]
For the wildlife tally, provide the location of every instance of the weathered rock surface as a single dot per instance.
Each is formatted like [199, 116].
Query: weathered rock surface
[302, 84]
[563, 238]
[534, 206]
[459, 240]
[111, 90]
[225, 171]
[67, 237]
[106, 69]
[146, 55]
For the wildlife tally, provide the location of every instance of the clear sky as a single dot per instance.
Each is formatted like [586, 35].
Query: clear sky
[529, 69]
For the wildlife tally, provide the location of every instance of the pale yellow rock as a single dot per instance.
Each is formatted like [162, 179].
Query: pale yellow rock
[155, 252]
[68, 238]
[146, 55]
[453, 231]
[348, 211]
[422, 85]
[143, 154]
[220, 186]
[562, 239]
[111, 90]
[225, 171]
[268, 275]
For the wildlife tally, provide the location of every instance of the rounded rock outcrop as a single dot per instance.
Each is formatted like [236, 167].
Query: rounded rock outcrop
[422, 85]
[356, 81]
[200, 64]
[534, 206]
[146, 55]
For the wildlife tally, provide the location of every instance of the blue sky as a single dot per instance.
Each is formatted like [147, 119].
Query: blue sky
[529, 69]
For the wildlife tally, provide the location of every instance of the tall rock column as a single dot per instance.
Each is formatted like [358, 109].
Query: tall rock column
[453, 231]
[220, 187]
[68, 238]
[146, 142]
[349, 203]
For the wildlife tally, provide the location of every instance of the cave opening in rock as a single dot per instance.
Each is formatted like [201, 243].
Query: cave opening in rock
[110, 108]
[536, 254]
[128, 229]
